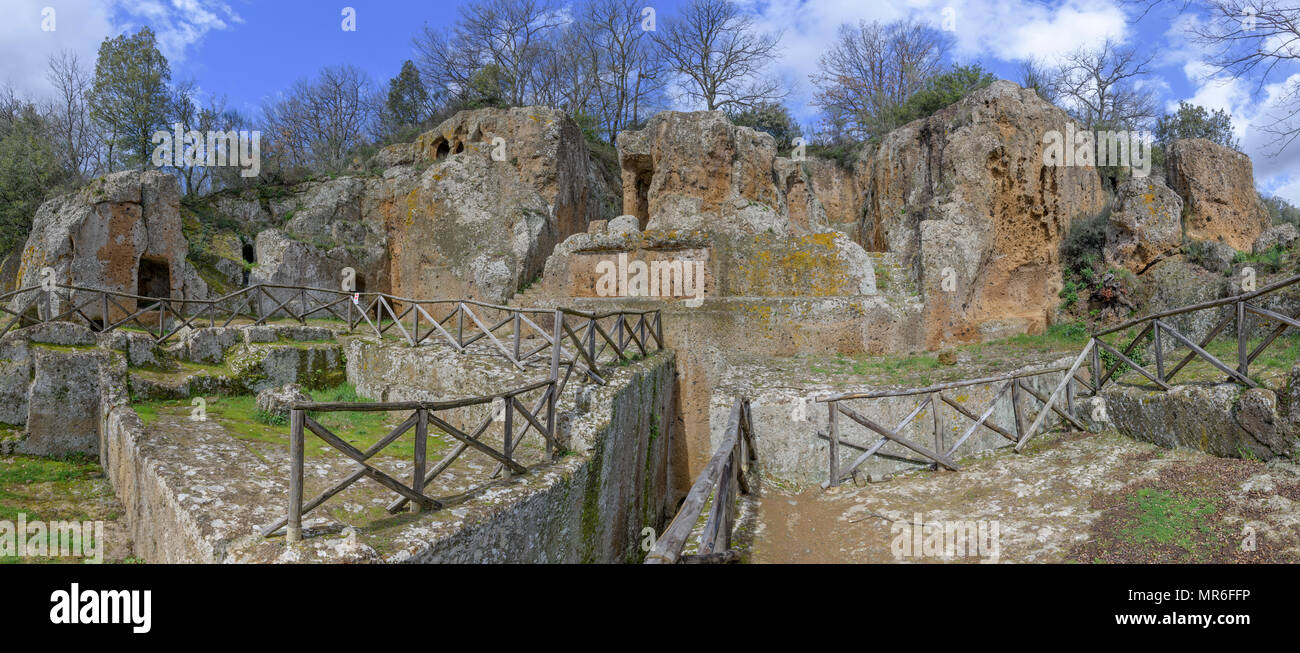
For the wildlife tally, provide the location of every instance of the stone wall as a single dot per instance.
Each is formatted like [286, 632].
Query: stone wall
[1223, 419]
[593, 510]
[203, 500]
[790, 425]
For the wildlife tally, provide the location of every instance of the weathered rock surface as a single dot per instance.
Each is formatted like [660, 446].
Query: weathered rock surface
[276, 402]
[1212, 255]
[283, 260]
[50, 380]
[1145, 224]
[964, 197]
[1173, 283]
[1217, 185]
[1282, 235]
[208, 345]
[121, 232]
[1222, 419]
[503, 188]
[697, 171]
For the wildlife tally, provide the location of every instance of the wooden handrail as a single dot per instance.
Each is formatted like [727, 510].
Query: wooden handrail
[722, 478]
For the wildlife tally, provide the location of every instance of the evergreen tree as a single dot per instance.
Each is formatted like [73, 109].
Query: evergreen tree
[130, 98]
[407, 97]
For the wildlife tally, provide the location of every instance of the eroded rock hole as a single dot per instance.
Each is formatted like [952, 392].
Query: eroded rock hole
[154, 278]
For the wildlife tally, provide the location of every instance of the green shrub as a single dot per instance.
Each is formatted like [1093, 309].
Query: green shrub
[1268, 261]
[270, 419]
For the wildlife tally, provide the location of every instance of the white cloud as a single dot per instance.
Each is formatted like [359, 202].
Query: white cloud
[1007, 30]
[179, 24]
[81, 25]
[25, 47]
[1022, 30]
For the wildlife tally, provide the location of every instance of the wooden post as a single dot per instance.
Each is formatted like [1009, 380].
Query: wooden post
[294, 533]
[1158, 344]
[460, 324]
[591, 339]
[508, 449]
[516, 336]
[1243, 362]
[421, 448]
[835, 445]
[1069, 397]
[1096, 371]
[1015, 409]
[557, 334]
[938, 423]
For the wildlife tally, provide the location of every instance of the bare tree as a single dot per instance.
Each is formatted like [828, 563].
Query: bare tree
[719, 57]
[321, 122]
[76, 137]
[565, 76]
[510, 35]
[1039, 78]
[1099, 86]
[871, 70]
[630, 76]
[1252, 40]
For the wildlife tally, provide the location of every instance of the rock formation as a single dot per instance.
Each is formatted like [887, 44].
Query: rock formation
[121, 232]
[501, 189]
[966, 200]
[1218, 188]
[1144, 225]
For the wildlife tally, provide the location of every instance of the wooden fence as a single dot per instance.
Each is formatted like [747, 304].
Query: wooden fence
[933, 398]
[458, 323]
[540, 417]
[726, 474]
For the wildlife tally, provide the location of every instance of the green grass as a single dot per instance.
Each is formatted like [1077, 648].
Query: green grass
[49, 489]
[917, 370]
[1269, 369]
[240, 416]
[1163, 517]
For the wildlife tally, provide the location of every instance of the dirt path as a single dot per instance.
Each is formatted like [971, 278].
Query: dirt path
[1077, 497]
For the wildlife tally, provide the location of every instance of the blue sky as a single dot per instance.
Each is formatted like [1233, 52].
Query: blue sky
[247, 50]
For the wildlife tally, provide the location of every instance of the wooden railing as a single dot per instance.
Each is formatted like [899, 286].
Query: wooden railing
[1158, 328]
[933, 397]
[540, 417]
[458, 323]
[726, 474]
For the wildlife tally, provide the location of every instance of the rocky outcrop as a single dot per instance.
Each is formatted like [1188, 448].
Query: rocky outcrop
[122, 233]
[1217, 185]
[276, 402]
[966, 199]
[1278, 236]
[335, 222]
[50, 380]
[712, 200]
[502, 188]
[697, 171]
[283, 260]
[1144, 226]
[1223, 419]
